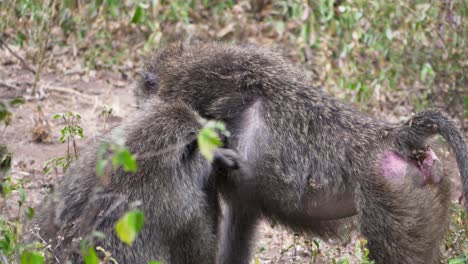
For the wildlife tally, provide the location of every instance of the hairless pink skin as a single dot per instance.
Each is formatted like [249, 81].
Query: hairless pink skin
[396, 168]
[432, 167]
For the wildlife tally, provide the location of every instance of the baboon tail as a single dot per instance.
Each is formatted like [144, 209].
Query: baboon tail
[430, 122]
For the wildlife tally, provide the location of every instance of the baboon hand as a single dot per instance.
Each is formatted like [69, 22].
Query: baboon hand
[226, 158]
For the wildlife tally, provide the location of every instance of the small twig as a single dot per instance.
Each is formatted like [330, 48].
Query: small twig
[23, 62]
[4, 84]
[75, 149]
[46, 244]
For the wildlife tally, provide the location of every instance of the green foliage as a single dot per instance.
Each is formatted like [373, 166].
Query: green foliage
[5, 162]
[463, 259]
[71, 129]
[106, 113]
[10, 230]
[124, 158]
[69, 133]
[316, 250]
[5, 114]
[31, 257]
[375, 45]
[90, 256]
[365, 47]
[456, 241]
[363, 252]
[55, 163]
[208, 138]
[129, 225]
[369, 44]
[139, 16]
[117, 152]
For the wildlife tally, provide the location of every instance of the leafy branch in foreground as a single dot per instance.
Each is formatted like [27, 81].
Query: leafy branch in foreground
[209, 137]
[116, 152]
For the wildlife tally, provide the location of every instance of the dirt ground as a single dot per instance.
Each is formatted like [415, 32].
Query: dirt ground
[87, 93]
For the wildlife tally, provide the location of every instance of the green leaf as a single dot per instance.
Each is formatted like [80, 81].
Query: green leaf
[208, 142]
[129, 225]
[20, 38]
[101, 167]
[154, 262]
[3, 111]
[221, 127]
[124, 158]
[22, 196]
[5, 243]
[90, 256]
[79, 131]
[31, 257]
[29, 212]
[138, 15]
[5, 162]
[17, 101]
[427, 71]
[65, 132]
[47, 170]
[6, 189]
[459, 260]
[57, 116]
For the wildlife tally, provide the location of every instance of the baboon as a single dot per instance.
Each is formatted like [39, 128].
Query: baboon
[173, 183]
[317, 164]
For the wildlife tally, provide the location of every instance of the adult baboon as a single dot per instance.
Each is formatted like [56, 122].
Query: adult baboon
[174, 184]
[315, 161]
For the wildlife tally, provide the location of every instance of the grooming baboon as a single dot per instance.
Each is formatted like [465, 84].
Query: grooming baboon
[315, 161]
[174, 184]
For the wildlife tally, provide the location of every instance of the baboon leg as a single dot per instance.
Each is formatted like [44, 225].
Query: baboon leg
[403, 223]
[238, 231]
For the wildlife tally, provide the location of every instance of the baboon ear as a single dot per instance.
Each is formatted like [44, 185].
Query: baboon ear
[192, 146]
